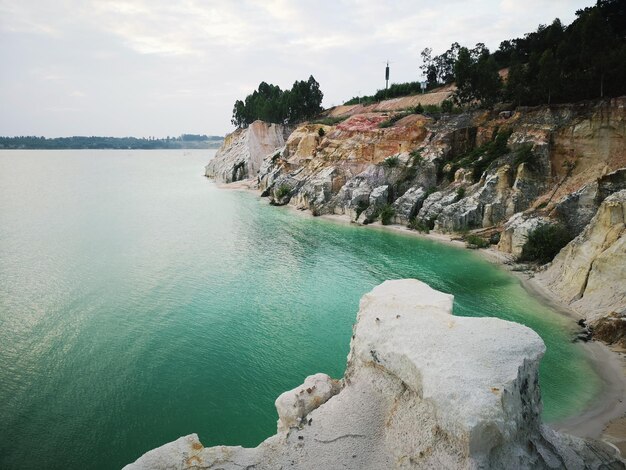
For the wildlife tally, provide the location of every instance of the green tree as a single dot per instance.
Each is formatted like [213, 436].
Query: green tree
[445, 63]
[271, 104]
[429, 69]
[477, 78]
[548, 76]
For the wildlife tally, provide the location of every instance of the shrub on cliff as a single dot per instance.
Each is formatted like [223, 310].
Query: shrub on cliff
[386, 214]
[391, 162]
[282, 191]
[480, 158]
[460, 194]
[447, 106]
[415, 157]
[393, 119]
[526, 155]
[360, 208]
[474, 241]
[490, 152]
[544, 243]
[419, 225]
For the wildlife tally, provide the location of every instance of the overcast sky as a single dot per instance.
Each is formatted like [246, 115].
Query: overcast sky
[167, 67]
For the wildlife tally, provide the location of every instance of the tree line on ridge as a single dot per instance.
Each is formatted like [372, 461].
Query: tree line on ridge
[554, 64]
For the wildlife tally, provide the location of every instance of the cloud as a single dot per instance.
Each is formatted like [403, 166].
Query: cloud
[20, 17]
[177, 66]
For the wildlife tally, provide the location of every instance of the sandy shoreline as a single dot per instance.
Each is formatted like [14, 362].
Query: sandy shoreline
[605, 418]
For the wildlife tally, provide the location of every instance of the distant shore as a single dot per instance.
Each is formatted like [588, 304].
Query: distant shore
[605, 417]
[185, 141]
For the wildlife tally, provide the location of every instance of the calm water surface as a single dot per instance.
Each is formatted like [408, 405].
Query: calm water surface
[140, 303]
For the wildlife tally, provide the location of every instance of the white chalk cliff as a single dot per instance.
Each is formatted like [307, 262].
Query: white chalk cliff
[422, 389]
[243, 151]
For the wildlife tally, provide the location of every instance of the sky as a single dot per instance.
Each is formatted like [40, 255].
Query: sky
[167, 67]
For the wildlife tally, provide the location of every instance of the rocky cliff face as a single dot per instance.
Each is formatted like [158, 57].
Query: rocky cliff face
[499, 175]
[470, 171]
[333, 169]
[423, 389]
[243, 151]
[589, 274]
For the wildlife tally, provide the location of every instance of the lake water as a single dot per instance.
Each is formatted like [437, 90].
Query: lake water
[140, 303]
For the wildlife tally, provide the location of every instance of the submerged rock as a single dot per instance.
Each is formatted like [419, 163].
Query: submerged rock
[423, 389]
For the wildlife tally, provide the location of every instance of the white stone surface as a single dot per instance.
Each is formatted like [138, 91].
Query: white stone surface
[243, 151]
[423, 389]
[294, 405]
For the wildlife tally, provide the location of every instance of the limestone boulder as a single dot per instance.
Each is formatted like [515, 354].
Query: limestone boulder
[294, 405]
[435, 202]
[271, 169]
[422, 389]
[316, 191]
[529, 184]
[611, 329]
[577, 209]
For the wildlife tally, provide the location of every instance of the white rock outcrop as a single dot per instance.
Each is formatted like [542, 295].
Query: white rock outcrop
[242, 153]
[294, 405]
[422, 389]
[516, 230]
[589, 274]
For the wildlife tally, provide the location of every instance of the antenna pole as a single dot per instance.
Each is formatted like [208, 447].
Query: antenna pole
[387, 76]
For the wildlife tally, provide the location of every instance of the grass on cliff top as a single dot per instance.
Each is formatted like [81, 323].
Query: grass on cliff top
[393, 119]
[330, 120]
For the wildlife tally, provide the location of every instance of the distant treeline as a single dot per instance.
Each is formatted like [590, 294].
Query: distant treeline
[185, 141]
[555, 64]
[271, 104]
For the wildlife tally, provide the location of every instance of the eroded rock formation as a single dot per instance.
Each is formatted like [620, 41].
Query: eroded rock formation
[501, 175]
[422, 389]
[589, 274]
[556, 163]
[243, 151]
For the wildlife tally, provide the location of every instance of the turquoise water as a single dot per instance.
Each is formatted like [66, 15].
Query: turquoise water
[140, 303]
